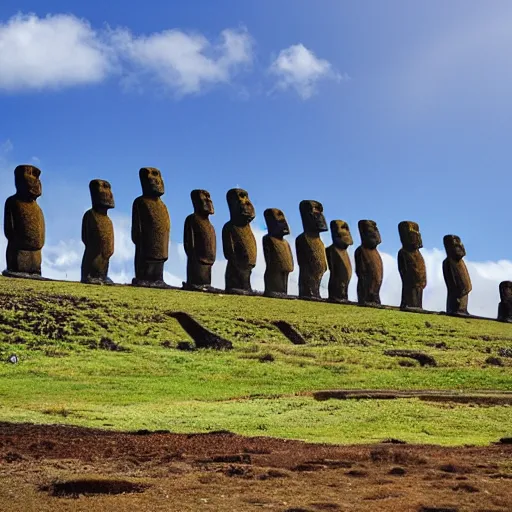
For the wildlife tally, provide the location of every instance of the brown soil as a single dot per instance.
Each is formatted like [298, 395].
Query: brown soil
[47, 468]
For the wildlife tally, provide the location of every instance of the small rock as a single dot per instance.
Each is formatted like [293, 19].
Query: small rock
[13, 359]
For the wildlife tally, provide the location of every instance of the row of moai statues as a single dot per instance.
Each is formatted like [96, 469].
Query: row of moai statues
[25, 231]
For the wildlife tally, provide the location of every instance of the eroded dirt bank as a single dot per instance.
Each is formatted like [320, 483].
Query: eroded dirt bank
[48, 468]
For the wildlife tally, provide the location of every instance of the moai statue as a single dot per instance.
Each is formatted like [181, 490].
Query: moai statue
[338, 261]
[411, 265]
[369, 267]
[310, 249]
[98, 234]
[151, 228]
[278, 254]
[24, 224]
[505, 307]
[456, 276]
[238, 242]
[200, 242]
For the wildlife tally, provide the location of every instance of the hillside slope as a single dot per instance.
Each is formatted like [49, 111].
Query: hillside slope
[64, 333]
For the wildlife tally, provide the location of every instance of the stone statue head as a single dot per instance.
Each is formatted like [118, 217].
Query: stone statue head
[312, 215]
[27, 182]
[454, 247]
[410, 235]
[370, 235]
[202, 201]
[506, 291]
[241, 209]
[340, 232]
[276, 222]
[101, 194]
[151, 181]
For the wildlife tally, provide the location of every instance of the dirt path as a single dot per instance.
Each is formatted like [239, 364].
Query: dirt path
[47, 468]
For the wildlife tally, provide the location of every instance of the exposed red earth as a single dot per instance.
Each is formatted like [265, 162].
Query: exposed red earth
[48, 468]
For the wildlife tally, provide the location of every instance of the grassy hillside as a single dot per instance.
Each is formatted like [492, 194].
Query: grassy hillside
[66, 374]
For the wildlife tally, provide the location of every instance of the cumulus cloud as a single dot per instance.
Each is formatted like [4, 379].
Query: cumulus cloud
[61, 50]
[52, 52]
[183, 62]
[299, 69]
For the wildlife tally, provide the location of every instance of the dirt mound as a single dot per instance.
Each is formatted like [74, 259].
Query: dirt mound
[105, 470]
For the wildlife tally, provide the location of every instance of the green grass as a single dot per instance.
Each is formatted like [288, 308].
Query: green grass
[60, 378]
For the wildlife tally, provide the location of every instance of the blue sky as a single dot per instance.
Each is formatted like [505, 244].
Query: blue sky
[383, 110]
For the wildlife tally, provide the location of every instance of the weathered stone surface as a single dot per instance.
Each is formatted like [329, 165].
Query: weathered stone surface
[200, 242]
[310, 249]
[290, 332]
[505, 306]
[338, 261]
[456, 276]
[411, 265]
[98, 234]
[151, 226]
[369, 267]
[203, 338]
[238, 242]
[277, 252]
[24, 225]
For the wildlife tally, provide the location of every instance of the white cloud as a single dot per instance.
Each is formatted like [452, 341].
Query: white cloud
[300, 69]
[52, 52]
[180, 62]
[62, 50]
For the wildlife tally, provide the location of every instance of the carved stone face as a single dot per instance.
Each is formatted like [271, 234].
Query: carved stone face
[276, 223]
[506, 291]
[240, 207]
[101, 194]
[410, 235]
[28, 184]
[341, 236]
[370, 235]
[312, 215]
[454, 247]
[151, 181]
[202, 201]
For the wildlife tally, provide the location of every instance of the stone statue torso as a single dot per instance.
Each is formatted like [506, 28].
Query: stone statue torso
[243, 244]
[412, 268]
[203, 241]
[27, 224]
[278, 254]
[339, 263]
[155, 225]
[369, 267]
[457, 277]
[311, 253]
[99, 233]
